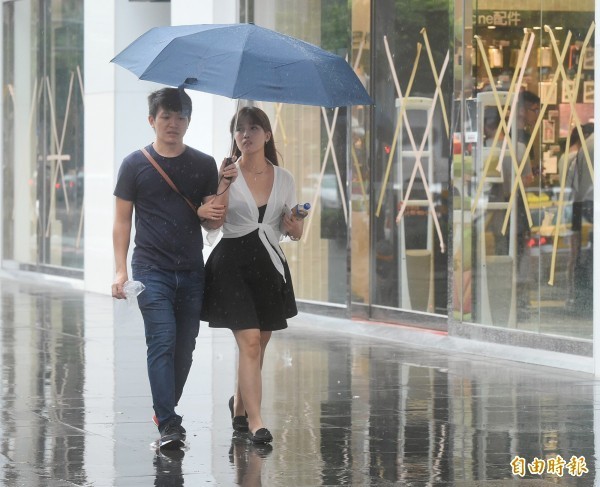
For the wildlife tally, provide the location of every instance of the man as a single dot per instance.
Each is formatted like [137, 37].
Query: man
[167, 257]
[528, 111]
[491, 124]
[502, 193]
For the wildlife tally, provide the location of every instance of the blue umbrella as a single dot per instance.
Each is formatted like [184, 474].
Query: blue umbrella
[243, 61]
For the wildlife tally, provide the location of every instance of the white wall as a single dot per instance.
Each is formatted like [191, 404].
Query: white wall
[115, 120]
[116, 110]
[24, 245]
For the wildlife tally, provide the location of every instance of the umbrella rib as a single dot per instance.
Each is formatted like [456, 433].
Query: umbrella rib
[239, 67]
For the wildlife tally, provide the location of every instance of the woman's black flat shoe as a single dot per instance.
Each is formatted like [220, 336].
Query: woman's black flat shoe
[262, 435]
[239, 423]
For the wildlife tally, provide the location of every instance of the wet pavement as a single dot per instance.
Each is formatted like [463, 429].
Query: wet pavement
[344, 409]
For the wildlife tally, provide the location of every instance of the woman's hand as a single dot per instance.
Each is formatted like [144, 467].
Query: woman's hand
[228, 170]
[292, 227]
[211, 211]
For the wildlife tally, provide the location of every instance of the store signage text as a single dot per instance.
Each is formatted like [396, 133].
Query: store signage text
[499, 18]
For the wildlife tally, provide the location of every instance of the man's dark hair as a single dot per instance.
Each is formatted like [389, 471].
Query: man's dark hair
[529, 97]
[587, 129]
[171, 99]
[491, 118]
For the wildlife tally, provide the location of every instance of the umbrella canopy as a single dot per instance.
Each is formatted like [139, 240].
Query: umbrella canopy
[243, 61]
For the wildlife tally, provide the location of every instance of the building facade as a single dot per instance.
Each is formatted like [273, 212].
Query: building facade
[462, 201]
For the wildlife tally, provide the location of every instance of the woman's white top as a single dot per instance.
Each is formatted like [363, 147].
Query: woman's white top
[242, 213]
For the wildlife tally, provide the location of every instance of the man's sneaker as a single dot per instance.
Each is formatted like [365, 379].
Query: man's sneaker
[173, 434]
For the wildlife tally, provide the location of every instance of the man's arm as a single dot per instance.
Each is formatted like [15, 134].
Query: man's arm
[121, 237]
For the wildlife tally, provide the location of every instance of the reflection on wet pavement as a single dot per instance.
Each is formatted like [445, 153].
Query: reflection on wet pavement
[248, 459]
[344, 410]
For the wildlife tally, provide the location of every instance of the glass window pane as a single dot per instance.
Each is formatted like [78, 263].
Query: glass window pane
[525, 166]
[61, 122]
[411, 154]
[43, 133]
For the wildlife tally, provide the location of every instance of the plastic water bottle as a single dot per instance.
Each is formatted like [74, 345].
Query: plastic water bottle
[300, 211]
[132, 289]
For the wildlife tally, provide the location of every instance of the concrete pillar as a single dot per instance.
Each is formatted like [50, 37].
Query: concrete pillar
[24, 243]
[115, 120]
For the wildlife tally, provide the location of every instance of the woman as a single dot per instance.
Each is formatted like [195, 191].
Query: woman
[248, 283]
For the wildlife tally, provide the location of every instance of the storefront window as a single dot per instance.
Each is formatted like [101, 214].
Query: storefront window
[523, 169]
[43, 134]
[412, 83]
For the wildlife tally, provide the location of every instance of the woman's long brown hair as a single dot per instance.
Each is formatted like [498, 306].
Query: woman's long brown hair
[256, 116]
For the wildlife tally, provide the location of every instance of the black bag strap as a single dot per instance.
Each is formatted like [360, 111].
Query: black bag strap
[168, 179]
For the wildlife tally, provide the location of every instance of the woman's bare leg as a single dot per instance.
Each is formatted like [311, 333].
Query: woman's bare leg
[249, 375]
[240, 410]
[265, 336]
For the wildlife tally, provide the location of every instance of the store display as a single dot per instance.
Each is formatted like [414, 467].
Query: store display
[495, 57]
[544, 59]
[588, 92]
[548, 131]
[547, 92]
[567, 91]
[588, 58]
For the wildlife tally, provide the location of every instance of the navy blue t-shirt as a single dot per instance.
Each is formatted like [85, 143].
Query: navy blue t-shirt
[168, 234]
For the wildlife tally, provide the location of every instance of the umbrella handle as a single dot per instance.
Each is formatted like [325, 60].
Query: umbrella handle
[237, 111]
[229, 162]
[230, 158]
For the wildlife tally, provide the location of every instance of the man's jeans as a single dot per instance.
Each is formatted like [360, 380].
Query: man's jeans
[170, 306]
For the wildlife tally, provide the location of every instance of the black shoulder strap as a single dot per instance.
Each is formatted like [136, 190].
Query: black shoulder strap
[168, 179]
